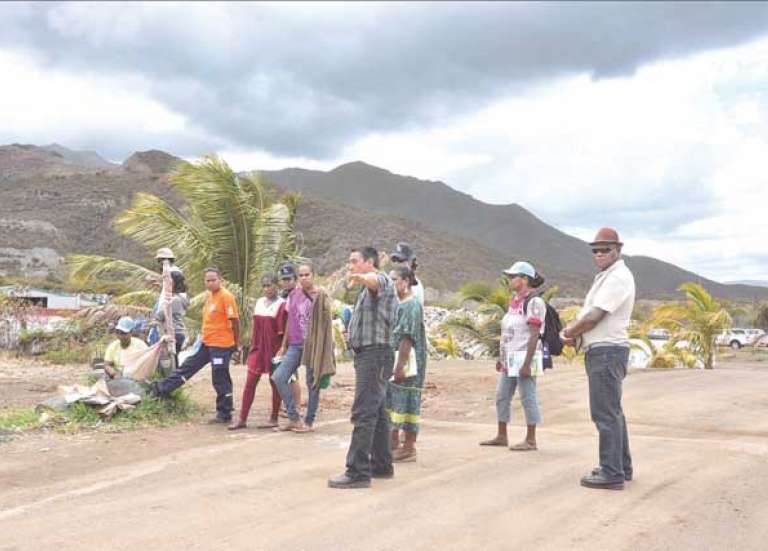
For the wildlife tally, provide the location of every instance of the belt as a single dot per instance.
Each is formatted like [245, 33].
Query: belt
[358, 349]
[595, 345]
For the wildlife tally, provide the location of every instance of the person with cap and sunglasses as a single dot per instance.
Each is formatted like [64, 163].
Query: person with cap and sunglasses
[601, 328]
[520, 355]
[288, 280]
[125, 343]
[404, 255]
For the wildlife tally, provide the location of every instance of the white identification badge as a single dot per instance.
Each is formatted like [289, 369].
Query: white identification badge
[516, 359]
[410, 369]
[217, 361]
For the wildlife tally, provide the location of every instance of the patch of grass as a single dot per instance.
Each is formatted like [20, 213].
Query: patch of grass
[150, 412]
[72, 354]
[21, 419]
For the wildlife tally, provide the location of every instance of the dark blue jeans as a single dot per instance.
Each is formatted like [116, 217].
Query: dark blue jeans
[369, 449]
[606, 369]
[222, 382]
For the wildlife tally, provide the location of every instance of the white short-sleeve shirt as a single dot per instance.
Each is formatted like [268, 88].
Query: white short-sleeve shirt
[613, 291]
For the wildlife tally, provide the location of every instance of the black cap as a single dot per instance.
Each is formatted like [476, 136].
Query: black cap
[286, 270]
[402, 253]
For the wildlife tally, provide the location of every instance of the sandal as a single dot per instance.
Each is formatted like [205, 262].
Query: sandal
[494, 442]
[404, 456]
[523, 446]
[269, 424]
[238, 425]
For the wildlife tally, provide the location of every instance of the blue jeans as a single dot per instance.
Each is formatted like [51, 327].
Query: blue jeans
[222, 382]
[282, 377]
[505, 390]
[606, 369]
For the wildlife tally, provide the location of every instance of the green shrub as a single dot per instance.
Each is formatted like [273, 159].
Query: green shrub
[18, 419]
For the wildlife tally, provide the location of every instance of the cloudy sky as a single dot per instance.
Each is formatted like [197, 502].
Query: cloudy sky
[649, 117]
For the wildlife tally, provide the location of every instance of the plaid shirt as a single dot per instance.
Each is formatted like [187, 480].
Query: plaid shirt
[374, 315]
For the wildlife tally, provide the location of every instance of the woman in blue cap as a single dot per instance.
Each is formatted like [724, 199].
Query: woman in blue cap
[520, 354]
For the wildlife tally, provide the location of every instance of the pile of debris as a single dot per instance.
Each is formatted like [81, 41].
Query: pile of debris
[466, 347]
[108, 396]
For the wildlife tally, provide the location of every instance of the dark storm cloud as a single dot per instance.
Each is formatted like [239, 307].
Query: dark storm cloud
[301, 79]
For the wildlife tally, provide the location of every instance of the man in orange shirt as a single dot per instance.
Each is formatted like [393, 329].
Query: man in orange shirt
[220, 338]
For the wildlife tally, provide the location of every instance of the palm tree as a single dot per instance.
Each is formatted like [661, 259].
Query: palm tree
[698, 321]
[237, 223]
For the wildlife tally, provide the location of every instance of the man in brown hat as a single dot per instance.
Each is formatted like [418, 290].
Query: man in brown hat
[602, 326]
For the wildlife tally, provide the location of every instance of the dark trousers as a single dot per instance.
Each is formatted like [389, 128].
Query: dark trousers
[222, 382]
[369, 448]
[606, 369]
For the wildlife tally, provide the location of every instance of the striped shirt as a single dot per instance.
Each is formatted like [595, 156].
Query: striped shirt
[374, 315]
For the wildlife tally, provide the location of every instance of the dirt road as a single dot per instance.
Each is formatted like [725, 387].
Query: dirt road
[699, 439]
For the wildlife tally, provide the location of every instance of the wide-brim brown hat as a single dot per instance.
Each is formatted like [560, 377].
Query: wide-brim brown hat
[606, 236]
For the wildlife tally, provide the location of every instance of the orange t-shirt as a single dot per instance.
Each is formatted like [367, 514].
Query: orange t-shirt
[220, 307]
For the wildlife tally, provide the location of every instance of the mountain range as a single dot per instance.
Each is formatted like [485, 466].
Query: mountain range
[55, 201]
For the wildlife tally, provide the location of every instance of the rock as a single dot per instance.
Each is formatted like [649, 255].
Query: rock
[56, 403]
[120, 387]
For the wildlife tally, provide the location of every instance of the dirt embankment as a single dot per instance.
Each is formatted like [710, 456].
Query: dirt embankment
[699, 441]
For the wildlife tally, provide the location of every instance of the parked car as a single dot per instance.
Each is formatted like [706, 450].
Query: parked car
[739, 337]
[659, 338]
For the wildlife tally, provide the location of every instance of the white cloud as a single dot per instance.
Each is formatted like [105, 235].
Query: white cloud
[674, 156]
[42, 106]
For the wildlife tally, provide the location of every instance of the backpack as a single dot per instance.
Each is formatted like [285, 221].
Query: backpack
[551, 341]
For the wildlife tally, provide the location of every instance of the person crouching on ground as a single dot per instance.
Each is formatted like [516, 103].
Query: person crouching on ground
[404, 390]
[299, 307]
[269, 318]
[125, 343]
[520, 355]
[370, 330]
[220, 338]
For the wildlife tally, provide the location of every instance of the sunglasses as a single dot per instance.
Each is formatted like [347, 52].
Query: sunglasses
[602, 250]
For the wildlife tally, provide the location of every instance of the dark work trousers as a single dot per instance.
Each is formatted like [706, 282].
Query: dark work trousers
[606, 369]
[222, 382]
[369, 448]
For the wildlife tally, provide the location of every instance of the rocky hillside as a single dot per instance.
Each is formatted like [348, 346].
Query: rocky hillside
[51, 205]
[508, 231]
[54, 201]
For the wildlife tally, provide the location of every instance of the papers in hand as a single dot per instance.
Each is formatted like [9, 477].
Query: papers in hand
[410, 368]
[516, 358]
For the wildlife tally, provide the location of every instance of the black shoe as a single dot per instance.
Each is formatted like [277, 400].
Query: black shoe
[383, 474]
[601, 482]
[219, 420]
[154, 391]
[344, 482]
[627, 474]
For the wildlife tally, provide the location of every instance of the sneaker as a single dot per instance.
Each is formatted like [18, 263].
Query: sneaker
[627, 474]
[343, 482]
[601, 482]
[219, 420]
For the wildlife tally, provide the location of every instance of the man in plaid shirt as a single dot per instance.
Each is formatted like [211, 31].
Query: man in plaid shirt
[369, 329]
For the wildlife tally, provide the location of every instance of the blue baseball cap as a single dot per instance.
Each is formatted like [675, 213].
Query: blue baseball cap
[125, 324]
[521, 268]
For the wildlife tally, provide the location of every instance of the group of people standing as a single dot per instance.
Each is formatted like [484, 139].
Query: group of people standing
[292, 326]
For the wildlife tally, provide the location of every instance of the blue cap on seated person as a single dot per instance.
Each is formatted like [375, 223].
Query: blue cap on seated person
[521, 268]
[125, 325]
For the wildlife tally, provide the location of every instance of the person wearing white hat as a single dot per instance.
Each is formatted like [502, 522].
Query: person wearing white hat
[165, 253]
[520, 355]
[113, 356]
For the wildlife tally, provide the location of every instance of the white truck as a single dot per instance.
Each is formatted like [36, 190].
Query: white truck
[737, 337]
